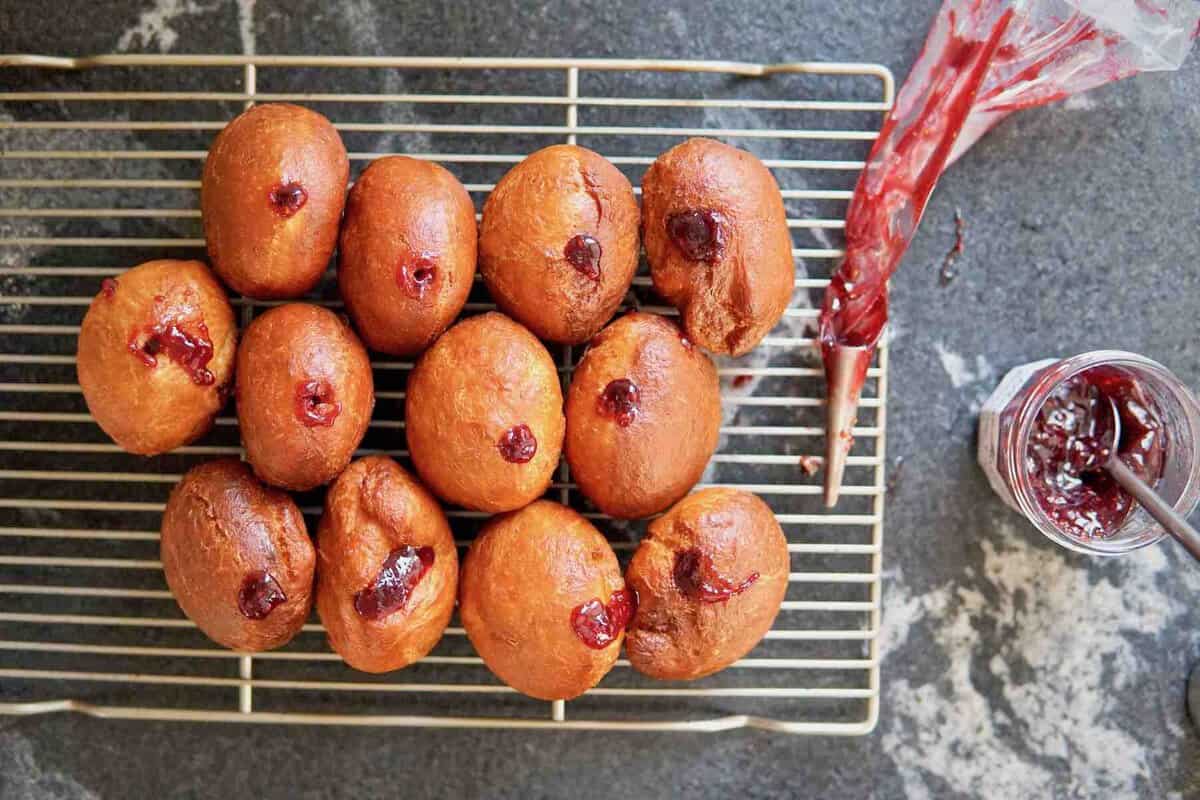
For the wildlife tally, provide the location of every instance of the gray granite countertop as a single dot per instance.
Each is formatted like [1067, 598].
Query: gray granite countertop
[1012, 668]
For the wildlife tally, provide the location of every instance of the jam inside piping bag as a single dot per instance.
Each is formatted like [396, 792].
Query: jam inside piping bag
[982, 60]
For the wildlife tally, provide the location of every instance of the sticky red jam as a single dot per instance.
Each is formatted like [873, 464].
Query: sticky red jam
[699, 235]
[315, 403]
[287, 198]
[518, 445]
[402, 570]
[1071, 440]
[598, 624]
[108, 287]
[583, 253]
[416, 277]
[619, 400]
[191, 350]
[259, 595]
[697, 578]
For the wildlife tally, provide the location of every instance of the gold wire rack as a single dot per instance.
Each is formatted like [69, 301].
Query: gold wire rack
[99, 166]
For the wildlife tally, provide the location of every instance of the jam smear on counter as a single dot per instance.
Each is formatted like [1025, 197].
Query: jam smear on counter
[315, 406]
[598, 625]
[619, 400]
[288, 198]
[402, 570]
[1071, 440]
[518, 445]
[583, 253]
[699, 235]
[259, 595]
[696, 577]
[191, 351]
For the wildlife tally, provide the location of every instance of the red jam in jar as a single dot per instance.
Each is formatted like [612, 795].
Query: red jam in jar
[1071, 440]
[1047, 431]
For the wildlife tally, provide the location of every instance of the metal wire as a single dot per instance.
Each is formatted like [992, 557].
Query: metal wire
[86, 623]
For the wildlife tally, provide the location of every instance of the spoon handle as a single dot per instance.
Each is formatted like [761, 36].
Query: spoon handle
[1158, 508]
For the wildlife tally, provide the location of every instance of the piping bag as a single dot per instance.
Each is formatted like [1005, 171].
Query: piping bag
[982, 60]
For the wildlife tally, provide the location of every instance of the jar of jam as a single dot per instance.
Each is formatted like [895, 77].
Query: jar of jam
[1045, 433]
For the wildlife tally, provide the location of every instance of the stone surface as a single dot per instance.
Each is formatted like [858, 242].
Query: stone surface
[1011, 668]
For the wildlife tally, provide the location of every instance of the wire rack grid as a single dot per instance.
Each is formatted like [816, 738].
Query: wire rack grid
[99, 166]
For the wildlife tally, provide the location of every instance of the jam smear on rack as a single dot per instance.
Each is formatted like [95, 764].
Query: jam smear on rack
[699, 234]
[697, 578]
[583, 253]
[287, 198]
[1071, 440]
[518, 445]
[598, 624]
[402, 570]
[417, 277]
[259, 595]
[190, 350]
[619, 400]
[315, 406]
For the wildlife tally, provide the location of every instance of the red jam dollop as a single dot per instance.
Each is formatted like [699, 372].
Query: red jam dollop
[518, 445]
[416, 278]
[619, 400]
[108, 287]
[598, 624]
[288, 198]
[402, 570]
[315, 406]
[583, 253]
[190, 350]
[697, 578]
[700, 235]
[1071, 440]
[259, 595]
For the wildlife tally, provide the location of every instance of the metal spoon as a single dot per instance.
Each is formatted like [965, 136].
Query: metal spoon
[1150, 500]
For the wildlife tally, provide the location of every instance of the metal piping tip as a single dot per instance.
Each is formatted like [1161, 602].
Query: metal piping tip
[845, 371]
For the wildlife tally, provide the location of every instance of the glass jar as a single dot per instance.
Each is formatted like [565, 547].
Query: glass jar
[1007, 419]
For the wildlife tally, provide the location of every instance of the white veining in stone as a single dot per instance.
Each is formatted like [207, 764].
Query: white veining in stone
[1063, 656]
[155, 27]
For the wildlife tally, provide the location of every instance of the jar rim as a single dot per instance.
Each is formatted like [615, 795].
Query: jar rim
[1034, 397]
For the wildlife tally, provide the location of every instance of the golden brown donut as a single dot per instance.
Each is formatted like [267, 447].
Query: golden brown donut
[710, 576]
[304, 395]
[271, 196]
[483, 412]
[237, 557]
[389, 567]
[643, 416]
[717, 241]
[558, 245]
[543, 602]
[155, 355]
[407, 257]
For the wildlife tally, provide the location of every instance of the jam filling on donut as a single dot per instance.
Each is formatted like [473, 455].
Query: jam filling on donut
[108, 287]
[288, 198]
[402, 570]
[697, 578]
[700, 235]
[191, 351]
[416, 278]
[517, 444]
[598, 625]
[259, 595]
[315, 406]
[619, 400]
[583, 253]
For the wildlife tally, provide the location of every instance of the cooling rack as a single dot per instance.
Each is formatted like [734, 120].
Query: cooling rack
[99, 165]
